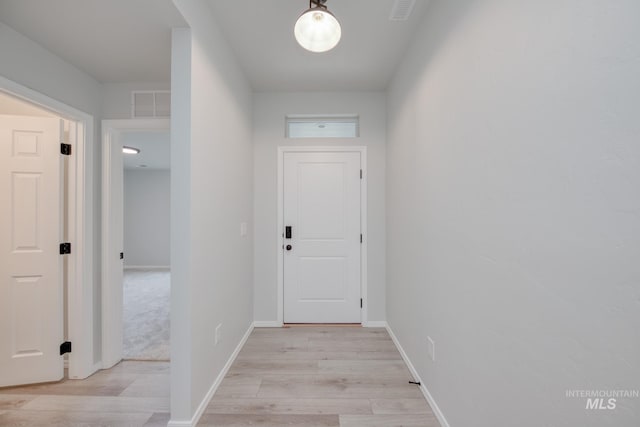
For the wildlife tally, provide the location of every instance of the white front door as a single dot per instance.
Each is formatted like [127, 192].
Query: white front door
[322, 237]
[31, 284]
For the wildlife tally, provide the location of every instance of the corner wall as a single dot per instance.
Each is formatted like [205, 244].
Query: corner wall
[212, 194]
[513, 209]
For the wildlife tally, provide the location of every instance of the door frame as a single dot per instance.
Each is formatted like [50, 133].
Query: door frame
[112, 324]
[363, 219]
[80, 278]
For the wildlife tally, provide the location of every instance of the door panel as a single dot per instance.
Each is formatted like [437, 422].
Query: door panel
[322, 269]
[31, 285]
[113, 264]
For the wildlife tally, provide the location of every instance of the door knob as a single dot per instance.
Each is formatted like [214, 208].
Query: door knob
[289, 247]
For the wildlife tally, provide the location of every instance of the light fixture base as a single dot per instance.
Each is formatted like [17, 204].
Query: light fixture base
[317, 30]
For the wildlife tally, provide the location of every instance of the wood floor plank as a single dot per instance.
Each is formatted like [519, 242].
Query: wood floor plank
[328, 344]
[115, 404]
[379, 355]
[74, 418]
[238, 391]
[422, 420]
[363, 366]
[373, 379]
[238, 378]
[96, 385]
[400, 406]
[289, 406]
[11, 401]
[140, 367]
[335, 390]
[159, 419]
[243, 420]
[300, 355]
[275, 366]
[151, 385]
[279, 345]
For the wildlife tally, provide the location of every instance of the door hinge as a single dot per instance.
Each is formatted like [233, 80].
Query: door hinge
[65, 149]
[360, 237]
[360, 302]
[360, 173]
[121, 255]
[65, 248]
[65, 347]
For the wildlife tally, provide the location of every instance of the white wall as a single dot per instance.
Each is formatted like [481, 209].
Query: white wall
[147, 202]
[29, 64]
[212, 176]
[269, 113]
[513, 209]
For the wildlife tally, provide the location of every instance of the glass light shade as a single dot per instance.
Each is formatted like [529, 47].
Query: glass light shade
[130, 150]
[317, 30]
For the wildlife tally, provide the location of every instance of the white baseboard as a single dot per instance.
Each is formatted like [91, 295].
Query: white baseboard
[147, 267]
[207, 398]
[434, 406]
[267, 324]
[375, 324]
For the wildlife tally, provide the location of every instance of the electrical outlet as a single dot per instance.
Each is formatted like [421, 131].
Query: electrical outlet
[431, 349]
[218, 335]
[243, 229]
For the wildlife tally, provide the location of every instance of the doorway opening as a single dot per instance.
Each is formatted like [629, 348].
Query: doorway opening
[147, 277]
[136, 272]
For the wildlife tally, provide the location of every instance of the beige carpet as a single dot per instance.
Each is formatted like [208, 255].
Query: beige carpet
[146, 314]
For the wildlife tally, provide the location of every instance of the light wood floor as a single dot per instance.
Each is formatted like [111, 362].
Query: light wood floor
[300, 376]
[131, 394]
[319, 376]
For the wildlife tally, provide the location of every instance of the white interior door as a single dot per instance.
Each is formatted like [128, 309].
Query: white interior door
[322, 245]
[31, 283]
[112, 258]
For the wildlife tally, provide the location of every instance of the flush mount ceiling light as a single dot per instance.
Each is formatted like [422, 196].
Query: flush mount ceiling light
[130, 150]
[317, 30]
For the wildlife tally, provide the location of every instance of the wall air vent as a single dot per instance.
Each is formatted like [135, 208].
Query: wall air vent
[150, 104]
[401, 10]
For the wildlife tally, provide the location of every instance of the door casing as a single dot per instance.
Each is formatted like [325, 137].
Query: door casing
[363, 220]
[80, 280]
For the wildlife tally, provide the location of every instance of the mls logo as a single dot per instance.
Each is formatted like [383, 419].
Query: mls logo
[600, 403]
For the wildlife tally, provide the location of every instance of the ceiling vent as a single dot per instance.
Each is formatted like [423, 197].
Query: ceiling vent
[150, 104]
[401, 10]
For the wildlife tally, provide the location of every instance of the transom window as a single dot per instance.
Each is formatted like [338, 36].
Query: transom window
[299, 126]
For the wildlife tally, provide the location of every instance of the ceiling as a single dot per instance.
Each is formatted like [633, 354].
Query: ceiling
[261, 34]
[155, 150]
[114, 41]
[118, 41]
